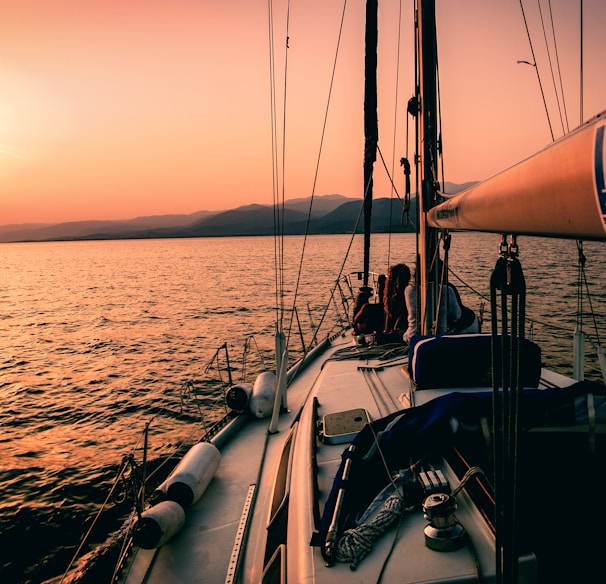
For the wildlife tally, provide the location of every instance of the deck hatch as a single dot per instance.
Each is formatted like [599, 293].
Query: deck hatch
[341, 427]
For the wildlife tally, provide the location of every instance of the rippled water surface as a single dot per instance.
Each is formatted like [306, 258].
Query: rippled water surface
[98, 339]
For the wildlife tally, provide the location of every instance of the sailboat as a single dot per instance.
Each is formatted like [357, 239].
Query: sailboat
[454, 457]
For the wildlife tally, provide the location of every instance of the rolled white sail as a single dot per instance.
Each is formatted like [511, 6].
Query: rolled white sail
[558, 192]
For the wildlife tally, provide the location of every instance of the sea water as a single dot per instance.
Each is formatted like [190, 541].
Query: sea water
[103, 338]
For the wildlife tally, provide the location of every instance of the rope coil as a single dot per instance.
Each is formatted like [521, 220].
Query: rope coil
[356, 543]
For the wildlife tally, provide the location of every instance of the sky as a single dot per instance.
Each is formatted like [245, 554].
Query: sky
[113, 109]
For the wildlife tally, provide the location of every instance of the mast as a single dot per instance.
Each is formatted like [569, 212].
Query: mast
[427, 275]
[371, 129]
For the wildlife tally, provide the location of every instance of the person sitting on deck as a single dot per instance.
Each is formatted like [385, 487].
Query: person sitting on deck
[368, 316]
[468, 321]
[453, 316]
[394, 303]
[362, 300]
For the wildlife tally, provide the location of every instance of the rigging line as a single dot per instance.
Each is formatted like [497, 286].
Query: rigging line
[274, 156]
[389, 176]
[487, 298]
[439, 148]
[281, 265]
[90, 529]
[548, 51]
[183, 443]
[580, 285]
[582, 280]
[595, 324]
[534, 64]
[404, 203]
[559, 68]
[124, 534]
[405, 162]
[467, 285]
[338, 278]
[442, 280]
[394, 188]
[395, 122]
[317, 169]
[581, 81]
[483, 296]
[395, 539]
[281, 206]
[417, 161]
[272, 91]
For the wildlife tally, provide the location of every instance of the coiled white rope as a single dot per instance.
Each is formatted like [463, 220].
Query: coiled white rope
[355, 543]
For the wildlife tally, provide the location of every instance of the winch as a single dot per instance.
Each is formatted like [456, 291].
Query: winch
[444, 533]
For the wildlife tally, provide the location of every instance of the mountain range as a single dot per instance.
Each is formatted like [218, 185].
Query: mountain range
[329, 214]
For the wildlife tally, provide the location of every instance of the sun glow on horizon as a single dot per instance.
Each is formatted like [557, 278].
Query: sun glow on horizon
[115, 109]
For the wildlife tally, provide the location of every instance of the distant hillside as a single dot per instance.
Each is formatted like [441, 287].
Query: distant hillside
[260, 221]
[329, 214]
[85, 229]
[321, 205]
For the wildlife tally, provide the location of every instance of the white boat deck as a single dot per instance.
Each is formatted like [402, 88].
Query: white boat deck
[217, 539]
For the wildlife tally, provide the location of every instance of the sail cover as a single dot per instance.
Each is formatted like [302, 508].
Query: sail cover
[428, 430]
[558, 192]
[558, 472]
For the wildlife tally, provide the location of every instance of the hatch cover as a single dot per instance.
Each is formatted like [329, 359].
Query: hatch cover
[341, 427]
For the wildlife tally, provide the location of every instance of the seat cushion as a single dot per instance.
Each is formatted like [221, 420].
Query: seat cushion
[464, 360]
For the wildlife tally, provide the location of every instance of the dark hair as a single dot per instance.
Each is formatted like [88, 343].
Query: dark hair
[381, 280]
[393, 299]
[361, 299]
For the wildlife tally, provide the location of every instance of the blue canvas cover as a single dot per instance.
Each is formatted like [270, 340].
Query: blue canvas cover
[465, 360]
[424, 432]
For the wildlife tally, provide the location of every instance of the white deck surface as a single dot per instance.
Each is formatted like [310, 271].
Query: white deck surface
[201, 551]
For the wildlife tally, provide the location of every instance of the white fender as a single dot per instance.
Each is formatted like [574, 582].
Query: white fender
[159, 493]
[263, 395]
[158, 524]
[238, 396]
[191, 476]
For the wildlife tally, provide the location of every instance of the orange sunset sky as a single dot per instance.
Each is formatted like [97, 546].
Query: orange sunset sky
[111, 109]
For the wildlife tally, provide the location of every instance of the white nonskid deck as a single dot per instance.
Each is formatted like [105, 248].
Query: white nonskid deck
[344, 385]
[226, 533]
[206, 549]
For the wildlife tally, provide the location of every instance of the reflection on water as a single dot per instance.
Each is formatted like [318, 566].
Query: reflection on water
[98, 338]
